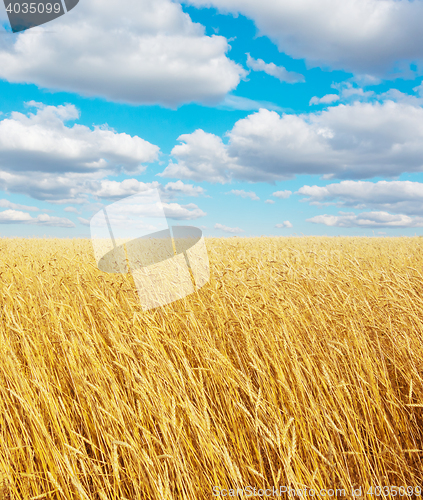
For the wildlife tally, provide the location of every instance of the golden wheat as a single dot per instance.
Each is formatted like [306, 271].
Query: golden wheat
[299, 364]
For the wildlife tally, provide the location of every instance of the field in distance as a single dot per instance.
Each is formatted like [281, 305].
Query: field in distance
[299, 364]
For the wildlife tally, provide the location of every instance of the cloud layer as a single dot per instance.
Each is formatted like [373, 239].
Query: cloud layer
[135, 51]
[271, 69]
[201, 157]
[285, 223]
[15, 206]
[226, 229]
[244, 194]
[358, 140]
[46, 156]
[362, 36]
[43, 142]
[19, 217]
[367, 220]
[282, 194]
[182, 212]
[396, 196]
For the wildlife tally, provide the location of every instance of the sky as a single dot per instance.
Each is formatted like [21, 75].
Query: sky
[250, 117]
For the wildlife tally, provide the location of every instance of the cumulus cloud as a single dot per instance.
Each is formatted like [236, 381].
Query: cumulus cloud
[84, 222]
[43, 142]
[358, 140]
[182, 212]
[118, 189]
[284, 224]
[201, 157]
[269, 202]
[71, 209]
[271, 69]
[244, 194]
[141, 211]
[54, 188]
[362, 36]
[15, 206]
[350, 92]
[226, 229]
[19, 217]
[45, 155]
[367, 220]
[282, 194]
[235, 102]
[326, 99]
[398, 96]
[396, 196]
[179, 188]
[108, 189]
[135, 51]
[76, 188]
[363, 80]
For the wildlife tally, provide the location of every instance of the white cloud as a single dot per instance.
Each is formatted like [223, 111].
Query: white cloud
[364, 80]
[358, 140]
[75, 188]
[350, 92]
[363, 36]
[271, 69]
[269, 202]
[71, 209]
[282, 194]
[243, 103]
[8, 204]
[326, 99]
[179, 188]
[367, 219]
[108, 189]
[54, 188]
[19, 217]
[44, 156]
[125, 223]
[244, 194]
[396, 196]
[147, 209]
[419, 89]
[400, 97]
[119, 189]
[201, 156]
[182, 212]
[226, 229]
[42, 142]
[84, 222]
[136, 51]
[284, 224]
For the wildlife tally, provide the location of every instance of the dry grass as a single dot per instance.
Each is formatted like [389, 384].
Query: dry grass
[299, 364]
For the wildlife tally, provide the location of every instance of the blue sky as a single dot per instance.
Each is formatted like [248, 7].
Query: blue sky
[270, 117]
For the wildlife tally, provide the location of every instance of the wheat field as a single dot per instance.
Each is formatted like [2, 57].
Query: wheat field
[300, 364]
